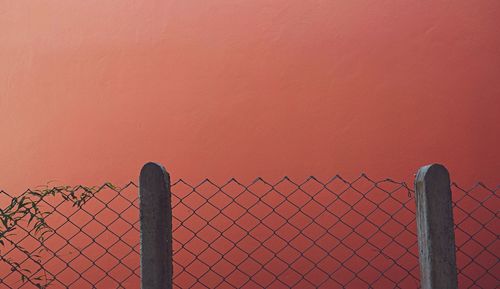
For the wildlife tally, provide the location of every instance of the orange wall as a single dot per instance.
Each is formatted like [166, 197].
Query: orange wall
[90, 90]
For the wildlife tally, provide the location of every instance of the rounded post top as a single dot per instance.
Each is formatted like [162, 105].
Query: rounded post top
[151, 167]
[153, 173]
[432, 171]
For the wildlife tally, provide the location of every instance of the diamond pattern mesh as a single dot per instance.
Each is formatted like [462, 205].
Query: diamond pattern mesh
[337, 233]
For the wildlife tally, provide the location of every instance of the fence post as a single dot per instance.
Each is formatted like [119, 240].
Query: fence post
[436, 238]
[156, 227]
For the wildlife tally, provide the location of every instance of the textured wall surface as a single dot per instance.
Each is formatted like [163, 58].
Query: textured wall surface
[91, 90]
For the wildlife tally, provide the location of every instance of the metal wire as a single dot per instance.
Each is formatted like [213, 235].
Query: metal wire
[336, 233]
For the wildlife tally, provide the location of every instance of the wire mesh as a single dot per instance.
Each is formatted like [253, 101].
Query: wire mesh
[338, 233]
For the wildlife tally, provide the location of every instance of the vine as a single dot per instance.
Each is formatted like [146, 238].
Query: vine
[27, 210]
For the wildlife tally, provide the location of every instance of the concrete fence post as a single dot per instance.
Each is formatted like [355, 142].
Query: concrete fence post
[436, 238]
[156, 227]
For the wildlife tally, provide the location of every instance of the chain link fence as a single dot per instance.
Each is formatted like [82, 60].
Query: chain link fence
[337, 233]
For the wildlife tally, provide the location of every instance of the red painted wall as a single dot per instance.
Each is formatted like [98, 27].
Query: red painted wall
[90, 90]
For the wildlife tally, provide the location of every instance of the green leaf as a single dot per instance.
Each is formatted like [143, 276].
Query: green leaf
[31, 218]
[21, 203]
